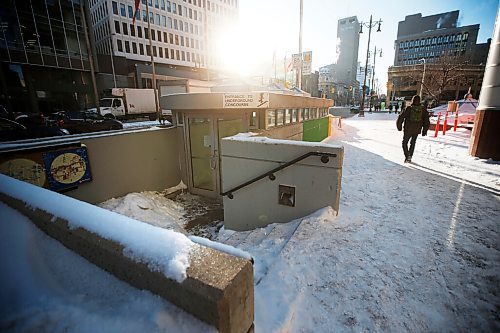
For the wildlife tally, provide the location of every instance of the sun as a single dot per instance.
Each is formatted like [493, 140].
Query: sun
[236, 52]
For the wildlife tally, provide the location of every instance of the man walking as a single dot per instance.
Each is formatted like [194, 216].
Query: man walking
[414, 119]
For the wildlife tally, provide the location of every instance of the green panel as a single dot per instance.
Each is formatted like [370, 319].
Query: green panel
[315, 130]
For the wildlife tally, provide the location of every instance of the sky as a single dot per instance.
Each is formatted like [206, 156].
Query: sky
[272, 26]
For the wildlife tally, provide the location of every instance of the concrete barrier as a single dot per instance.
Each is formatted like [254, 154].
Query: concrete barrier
[218, 289]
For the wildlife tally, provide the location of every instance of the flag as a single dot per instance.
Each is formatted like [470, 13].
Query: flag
[137, 2]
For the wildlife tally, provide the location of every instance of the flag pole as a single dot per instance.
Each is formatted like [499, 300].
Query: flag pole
[152, 62]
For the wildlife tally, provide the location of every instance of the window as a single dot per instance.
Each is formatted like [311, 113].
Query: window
[165, 37]
[181, 26]
[175, 24]
[120, 45]
[138, 15]
[158, 32]
[288, 116]
[157, 4]
[146, 33]
[117, 27]
[166, 53]
[127, 46]
[144, 16]
[270, 118]
[134, 47]
[163, 21]
[177, 55]
[180, 10]
[151, 17]
[154, 51]
[253, 119]
[122, 10]
[174, 8]
[280, 117]
[153, 35]
[160, 50]
[162, 5]
[157, 19]
[139, 32]
[169, 24]
[183, 54]
[148, 50]
[130, 12]
[114, 4]
[169, 8]
[141, 49]
[125, 28]
[176, 39]
[132, 30]
[190, 13]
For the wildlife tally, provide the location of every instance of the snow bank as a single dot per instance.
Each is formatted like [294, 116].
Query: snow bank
[160, 249]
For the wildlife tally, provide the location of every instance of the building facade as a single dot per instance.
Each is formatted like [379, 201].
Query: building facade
[438, 43]
[339, 81]
[347, 49]
[44, 56]
[182, 38]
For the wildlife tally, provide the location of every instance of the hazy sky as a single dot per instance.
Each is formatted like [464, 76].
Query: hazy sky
[268, 26]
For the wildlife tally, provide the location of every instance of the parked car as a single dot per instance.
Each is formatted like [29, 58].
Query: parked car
[84, 122]
[11, 130]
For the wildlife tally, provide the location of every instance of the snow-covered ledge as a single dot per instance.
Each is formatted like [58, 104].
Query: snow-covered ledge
[211, 285]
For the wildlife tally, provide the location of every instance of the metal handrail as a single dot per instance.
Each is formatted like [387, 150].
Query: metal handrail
[325, 157]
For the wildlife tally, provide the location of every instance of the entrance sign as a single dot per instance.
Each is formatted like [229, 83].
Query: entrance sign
[246, 101]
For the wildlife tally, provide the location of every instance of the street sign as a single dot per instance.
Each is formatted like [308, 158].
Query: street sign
[246, 101]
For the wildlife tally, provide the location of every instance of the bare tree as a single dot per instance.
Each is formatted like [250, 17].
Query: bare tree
[441, 74]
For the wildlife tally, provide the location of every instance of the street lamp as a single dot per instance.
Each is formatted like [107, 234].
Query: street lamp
[423, 78]
[369, 26]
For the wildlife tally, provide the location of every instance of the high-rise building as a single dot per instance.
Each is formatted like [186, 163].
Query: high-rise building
[347, 49]
[430, 37]
[444, 48]
[44, 58]
[183, 37]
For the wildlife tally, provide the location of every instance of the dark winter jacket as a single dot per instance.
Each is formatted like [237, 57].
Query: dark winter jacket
[414, 124]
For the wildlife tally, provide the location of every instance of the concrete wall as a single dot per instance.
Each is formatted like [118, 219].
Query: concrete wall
[120, 162]
[130, 162]
[316, 184]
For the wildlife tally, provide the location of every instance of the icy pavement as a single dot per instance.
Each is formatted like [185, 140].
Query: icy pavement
[415, 248]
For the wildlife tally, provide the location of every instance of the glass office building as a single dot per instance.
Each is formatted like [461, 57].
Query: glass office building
[44, 56]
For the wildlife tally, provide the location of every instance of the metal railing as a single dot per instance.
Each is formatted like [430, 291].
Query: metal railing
[325, 157]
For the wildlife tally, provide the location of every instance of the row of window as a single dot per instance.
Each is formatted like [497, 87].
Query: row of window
[158, 35]
[434, 40]
[165, 5]
[413, 58]
[288, 116]
[158, 51]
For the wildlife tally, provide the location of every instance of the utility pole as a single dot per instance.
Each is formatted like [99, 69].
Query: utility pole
[152, 62]
[299, 78]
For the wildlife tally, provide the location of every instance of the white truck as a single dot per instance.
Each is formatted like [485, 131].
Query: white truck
[129, 103]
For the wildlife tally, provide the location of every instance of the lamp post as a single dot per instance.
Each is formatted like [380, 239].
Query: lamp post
[369, 25]
[423, 78]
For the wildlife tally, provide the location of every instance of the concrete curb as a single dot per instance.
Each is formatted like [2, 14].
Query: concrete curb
[218, 289]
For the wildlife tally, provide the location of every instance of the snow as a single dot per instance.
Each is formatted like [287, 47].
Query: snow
[161, 249]
[47, 288]
[415, 247]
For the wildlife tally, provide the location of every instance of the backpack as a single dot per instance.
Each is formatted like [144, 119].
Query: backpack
[416, 113]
